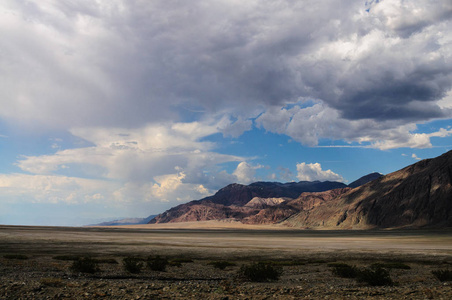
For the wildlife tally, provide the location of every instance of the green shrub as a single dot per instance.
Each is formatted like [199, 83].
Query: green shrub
[221, 264]
[157, 263]
[443, 275]
[260, 272]
[376, 276]
[15, 256]
[344, 270]
[85, 265]
[132, 264]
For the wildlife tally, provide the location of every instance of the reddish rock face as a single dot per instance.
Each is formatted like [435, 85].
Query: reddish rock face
[419, 195]
[231, 201]
[309, 201]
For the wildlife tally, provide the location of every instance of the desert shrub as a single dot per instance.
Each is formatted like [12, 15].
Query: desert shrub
[181, 260]
[443, 275]
[132, 264]
[221, 264]
[334, 264]
[111, 261]
[316, 261]
[52, 281]
[344, 270]
[15, 256]
[96, 260]
[85, 265]
[391, 265]
[284, 262]
[66, 257]
[157, 263]
[177, 262]
[376, 276]
[260, 272]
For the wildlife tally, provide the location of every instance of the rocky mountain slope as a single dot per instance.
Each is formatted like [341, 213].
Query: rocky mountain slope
[257, 203]
[230, 201]
[419, 195]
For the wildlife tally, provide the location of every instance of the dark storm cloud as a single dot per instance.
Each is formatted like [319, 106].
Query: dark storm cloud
[127, 63]
[407, 100]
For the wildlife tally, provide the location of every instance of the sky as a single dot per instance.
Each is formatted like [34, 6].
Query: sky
[125, 108]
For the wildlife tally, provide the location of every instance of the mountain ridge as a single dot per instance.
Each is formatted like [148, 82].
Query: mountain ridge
[231, 201]
[417, 196]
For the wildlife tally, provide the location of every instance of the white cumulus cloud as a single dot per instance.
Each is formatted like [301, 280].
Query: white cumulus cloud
[245, 172]
[415, 157]
[158, 163]
[312, 172]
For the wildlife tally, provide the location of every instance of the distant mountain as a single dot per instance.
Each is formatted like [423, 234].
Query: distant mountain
[230, 201]
[126, 221]
[239, 195]
[365, 179]
[419, 195]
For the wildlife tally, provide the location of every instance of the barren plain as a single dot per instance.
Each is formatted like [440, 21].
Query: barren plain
[35, 262]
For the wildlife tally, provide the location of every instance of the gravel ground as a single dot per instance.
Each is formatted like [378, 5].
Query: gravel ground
[306, 273]
[44, 277]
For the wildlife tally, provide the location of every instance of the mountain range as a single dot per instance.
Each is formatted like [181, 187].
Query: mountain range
[416, 196]
[126, 221]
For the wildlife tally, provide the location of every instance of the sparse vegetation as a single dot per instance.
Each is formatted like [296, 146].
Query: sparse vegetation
[260, 272]
[75, 257]
[316, 261]
[344, 270]
[181, 260]
[157, 263]
[52, 281]
[66, 257]
[177, 262]
[443, 275]
[391, 265]
[376, 276]
[111, 261]
[133, 264]
[334, 264]
[46, 273]
[221, 264]
[284, 262]
[15, 256]
[85, 265]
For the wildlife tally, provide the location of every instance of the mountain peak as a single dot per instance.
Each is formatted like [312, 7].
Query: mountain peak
[365, 179]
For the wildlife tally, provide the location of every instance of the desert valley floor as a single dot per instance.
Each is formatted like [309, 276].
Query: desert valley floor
[35, 262]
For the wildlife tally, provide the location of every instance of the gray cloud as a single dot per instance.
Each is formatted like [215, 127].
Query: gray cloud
[130, 63]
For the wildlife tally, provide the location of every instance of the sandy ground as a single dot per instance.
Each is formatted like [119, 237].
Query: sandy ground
[227, 240]
[423, 251]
